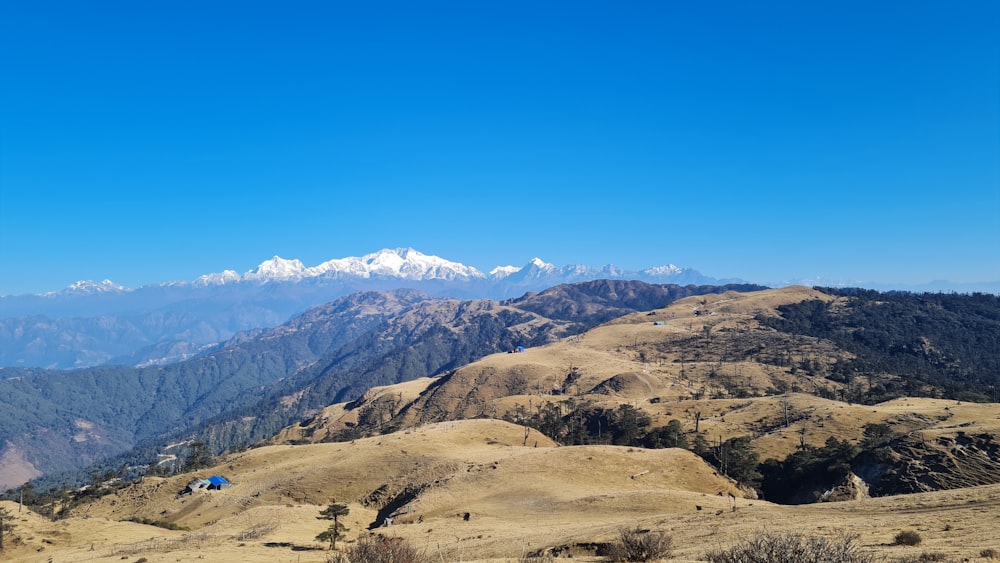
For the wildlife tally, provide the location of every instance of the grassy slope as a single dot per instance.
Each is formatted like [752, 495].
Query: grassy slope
[519, 498]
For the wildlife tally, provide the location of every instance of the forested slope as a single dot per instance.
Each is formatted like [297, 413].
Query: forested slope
[931, 343]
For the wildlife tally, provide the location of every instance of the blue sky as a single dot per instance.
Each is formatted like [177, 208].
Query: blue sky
[154, 141]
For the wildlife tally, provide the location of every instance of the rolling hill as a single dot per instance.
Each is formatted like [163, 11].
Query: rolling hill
[472, 491]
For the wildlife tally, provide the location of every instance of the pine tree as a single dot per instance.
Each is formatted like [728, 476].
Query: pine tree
[335, 531]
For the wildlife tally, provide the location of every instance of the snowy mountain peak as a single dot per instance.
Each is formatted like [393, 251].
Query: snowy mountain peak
[540, 264]
[402, 263]
[90, 287]
[226, 276]
[411, 265]
[501, 272]
[663, 271]
[277, 268]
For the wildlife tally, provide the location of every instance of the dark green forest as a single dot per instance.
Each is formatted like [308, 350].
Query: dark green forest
[932, 344]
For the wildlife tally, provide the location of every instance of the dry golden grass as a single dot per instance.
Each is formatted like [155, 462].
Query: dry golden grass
[519, 499]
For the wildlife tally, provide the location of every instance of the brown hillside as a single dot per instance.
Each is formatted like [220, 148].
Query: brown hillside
[709, 365]
[709, 346]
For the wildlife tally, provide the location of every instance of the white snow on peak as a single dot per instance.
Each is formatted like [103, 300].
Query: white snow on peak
[226, 276]
[278, 269]
[405, 263]
[613, 271]
[501, 272]
[541, 264]
[668, 270]
[92, 287]
[409, 264]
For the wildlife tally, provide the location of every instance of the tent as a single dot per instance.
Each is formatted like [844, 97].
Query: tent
[218, 482]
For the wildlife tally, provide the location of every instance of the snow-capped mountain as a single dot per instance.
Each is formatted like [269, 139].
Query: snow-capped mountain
[278, 269]
[226, 276]
[88, 287]
[402, 263]
[399, 263]
[501, 272]
[539, 271]
[663, 271]
[410, 264]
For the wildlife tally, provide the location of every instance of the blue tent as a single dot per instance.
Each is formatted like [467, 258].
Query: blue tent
[218, 482]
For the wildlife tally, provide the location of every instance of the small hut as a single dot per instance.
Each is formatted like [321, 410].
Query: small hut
[196, 485]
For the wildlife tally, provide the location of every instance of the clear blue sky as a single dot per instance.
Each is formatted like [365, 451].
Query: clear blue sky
[154, 141]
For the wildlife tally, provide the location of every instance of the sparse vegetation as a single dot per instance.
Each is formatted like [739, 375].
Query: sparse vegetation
[635, 544]
[159, 523]
[907, 537]
[377, 548]
[925, 557]
[766, 547]
[545, 558]
[6, 525]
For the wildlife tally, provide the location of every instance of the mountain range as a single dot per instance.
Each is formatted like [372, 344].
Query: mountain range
[261, 380]
[99, 323]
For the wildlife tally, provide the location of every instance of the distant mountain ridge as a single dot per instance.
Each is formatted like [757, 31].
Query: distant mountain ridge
[98, 323]
[404, 264]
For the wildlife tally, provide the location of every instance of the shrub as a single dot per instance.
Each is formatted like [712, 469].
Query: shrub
[383, 549]
[159, 523]
[909, 537]
[925, 557]
[766, 547]
[989, 553]
[640, 545]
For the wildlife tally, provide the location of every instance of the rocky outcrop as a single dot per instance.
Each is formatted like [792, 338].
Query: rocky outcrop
[912, 464]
